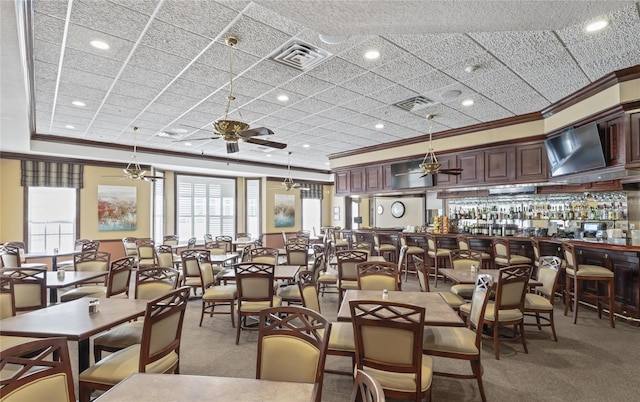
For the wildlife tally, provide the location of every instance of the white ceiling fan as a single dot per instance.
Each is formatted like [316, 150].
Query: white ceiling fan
[134, 171]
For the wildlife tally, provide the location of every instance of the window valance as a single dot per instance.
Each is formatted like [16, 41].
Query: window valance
[315, 191]
[51, 174]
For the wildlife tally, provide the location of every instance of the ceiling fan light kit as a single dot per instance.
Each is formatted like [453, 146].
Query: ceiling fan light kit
[133, 170]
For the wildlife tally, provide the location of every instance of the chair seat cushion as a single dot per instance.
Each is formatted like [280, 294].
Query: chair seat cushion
[450, 339]
[341, 243]
[256, 307]
[520, 259]
[387, 247]
[463, 290]
[341, 337]
[118, 366]
[192, 281]
[7, 342]
[591, 270]
[442, 252]
[83, 291]
[537, 302]
[222, 292]
[452, 299]
[289, 292]
[504, 315]
[121, 336]
[348, 284]
[415, 250]
[401, 381]
[328, 276]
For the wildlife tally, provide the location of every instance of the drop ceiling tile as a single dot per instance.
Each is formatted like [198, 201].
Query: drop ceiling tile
[367, 83]
[312, 105]
[599, 67]
[414, 42]
[428, 82]
[270, 122]
[126, 101]
[360, 119]
[179, 101]
[273, 19]
[316, 120]
[205, 75]
[119, 110]
[114, 122]
[403, 68]
[46, 52]
[82, 61]
[171, 39]
[79, 37]
[514, 47]
[337, 113]
[340, 126]
[297, 127]
[43, 84]
[271, 73]
[364, 104]
[559, 84]
[449, 51]
[136, 90]
[336, 70]
[255, 37]
[249, 88]
[66, 109]
[45, 70]
[218, 56]
[158, 60]
[484, 64]
[48, 28]
[320, 132]
[55, 8]
[290, 114]
[186, 88]
[206, 18]
[523, 104]
[142, 6]
[499, 77]
[109, 18]
[261, 106]
[195, 119]
[150, 78]
[306, 85]
[545, 65]
[388, 52]
[393, 94]
[272, 96]
[81, 123]
[152, 116]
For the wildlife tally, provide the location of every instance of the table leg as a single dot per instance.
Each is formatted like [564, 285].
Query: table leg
[53, 295]
[54, 262]
[83, 354]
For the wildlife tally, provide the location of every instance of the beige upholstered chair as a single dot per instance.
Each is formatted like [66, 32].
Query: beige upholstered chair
[82, 245]
[297, 254]
[416, 246]
[387, 245]
[191, 243]
[245, 253]
[503, 256]
[130, 247]
[171, 240]
[216, 247]
[438, 255]
[146, 253]
[190, 268]
[208, 238]
[326, 277]
[254, 282]
[214, 295]
[89, 261]
[158, 353]
[463, 343]
[151, 283]
[243, 236]
[42, 376]
[292, 345]
[290, 293]
[452, 299]
[464, 259]
[7, 298]
[264, 255]
[347, 272]
[465, 244]
[389, 339]
[165, 256]
[507, 309]
[30, 287]
[374, 275]
[576, 273]
[117, 282]
[12, 256]
[366, 389]
[541, 301]
[227, 241]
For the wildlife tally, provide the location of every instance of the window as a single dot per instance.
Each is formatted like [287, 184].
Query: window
[253, 207]
[52, 217]
[158, 208]
[355, 213]
[205, 205]
[311, 214]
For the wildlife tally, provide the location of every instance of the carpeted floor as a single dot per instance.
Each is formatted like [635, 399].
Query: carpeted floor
[590, 361]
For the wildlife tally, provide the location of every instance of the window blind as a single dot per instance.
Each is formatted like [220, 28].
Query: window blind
[51, 174]
[315, 191]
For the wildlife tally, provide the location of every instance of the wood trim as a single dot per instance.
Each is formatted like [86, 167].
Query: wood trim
[57, 159]
[510, 121]
[462, 194]
[279, 179]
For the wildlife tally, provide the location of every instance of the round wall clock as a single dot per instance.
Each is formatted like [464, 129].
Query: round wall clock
[380, 209]
[397, 209]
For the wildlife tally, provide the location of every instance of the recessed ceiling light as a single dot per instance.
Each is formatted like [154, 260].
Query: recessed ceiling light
[470, 68]
[451, 94]
[179, 130]
[69, 126]
[467, 102]
[79, 103]
[268, 155]
[98, 44]
[372, 54]
[596, 25]
[306, 146]
[327, 163]
[332, 39]
[379, 126]
[283, 98]
[187, 144]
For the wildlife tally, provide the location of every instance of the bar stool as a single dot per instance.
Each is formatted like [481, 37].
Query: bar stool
[503, 257]
[413, 248]
[576, 273]
[439, 256]
[464, 244]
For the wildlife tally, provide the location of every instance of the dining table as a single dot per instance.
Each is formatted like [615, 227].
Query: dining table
[73, 321]
[70, 278]
[224, 259]
[179, 387]
[468, 277]
[280, 272]
[52, 255]
[438, 312]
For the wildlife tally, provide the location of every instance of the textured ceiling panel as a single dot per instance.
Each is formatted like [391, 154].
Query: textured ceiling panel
[206, 18]
[108, 18]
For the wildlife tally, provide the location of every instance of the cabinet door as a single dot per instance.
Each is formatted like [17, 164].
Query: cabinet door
[374, 178]
[357, 180]
[472, 164]
[531, 162]
[634, 143]
[446, 162]
[499, 165]
[386, 177]
[342, 182]
[625, 271]
[614, 145]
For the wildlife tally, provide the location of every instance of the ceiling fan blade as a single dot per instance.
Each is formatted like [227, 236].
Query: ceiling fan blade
[254, 132]
[232, 147]
[303, 188]
[453, 171]
[266, 143]
[196, 139]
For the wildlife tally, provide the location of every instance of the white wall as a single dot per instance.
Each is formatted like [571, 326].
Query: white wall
[414, 212]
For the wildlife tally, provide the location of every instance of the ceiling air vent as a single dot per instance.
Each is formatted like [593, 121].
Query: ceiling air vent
[299, 55]
[414, 104]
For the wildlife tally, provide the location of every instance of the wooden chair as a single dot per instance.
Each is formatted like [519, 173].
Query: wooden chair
[464, 244]
[214, 295]
[130, 247]
[243, 236]
[82, 245]
[347, 272]
[292, 346]
[388, 337]
[254, 282]
[208, 238]
[463, 343]
[416, 246]
[508, 306]
[165, 256]
[541, 300]
[190, 268]
[119, 277]
[374, 275]
[386, 245]
[146, 252]
[264, 255]
[576, 274]
[12, 256]
[452, 299]
[366, 389]
[341, 342]
[170, 240]
[7, 297]
[41, 375]
[89, 261]
[159, 351]
[30, 287]
[191, 243]
[464, 259]
[297, 254]
[227, 241]
[438, 255]
[503, 256]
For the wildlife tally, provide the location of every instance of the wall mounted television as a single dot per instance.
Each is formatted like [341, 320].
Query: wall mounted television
[575, 150]
[400, 180]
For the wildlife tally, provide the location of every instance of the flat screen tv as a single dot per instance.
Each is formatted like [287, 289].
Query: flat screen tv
[406, 175]
[575, 150]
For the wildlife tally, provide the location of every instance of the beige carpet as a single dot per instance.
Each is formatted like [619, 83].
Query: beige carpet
[590, 361]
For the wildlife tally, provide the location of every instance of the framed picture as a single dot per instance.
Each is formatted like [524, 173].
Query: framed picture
[117, 208]
[284, 213]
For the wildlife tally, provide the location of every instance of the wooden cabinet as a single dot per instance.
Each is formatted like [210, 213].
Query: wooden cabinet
[498, 165]
[446, 162]
[634, 139]
[613, 141]
[387, 180]
[531, 162]
[342, 182]
[374, 180]
[357, 180]
[472, 164]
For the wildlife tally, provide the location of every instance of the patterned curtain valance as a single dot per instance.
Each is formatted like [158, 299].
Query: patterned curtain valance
[51, 174]
[315, 191]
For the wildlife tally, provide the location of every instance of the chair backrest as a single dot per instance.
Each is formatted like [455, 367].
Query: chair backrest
[464, 259]
[284, 238]
[512, 287]
[29, 287]
[89, 245]
[347, 261]
[318, 266]
[21, 249]
[308, 291]
[92, 261]
[254, 282]
[130, 247]
[548, 276]
[536, 250]
[479, 300]
[208, 237]
[189, 259]
[227, 241]
[265, 255]
[260, 242]
[366, 389]
[570, 257]
[162, 328]
[7, 298]
[432, 243]
[164, 254]
[501, 249]
[171, 240]
[292, 345]
[423, 275]
[207, 277]
[153, 282]
[191, 243]
[243, 236]
[245, 254]
[10, 256]
[463, 242]
[297, 254]
[363, 246]
[44, 375]
[402, 255]
[216, 247]
[388, 337]
[374, 275]
[146, 252]
[120, 276]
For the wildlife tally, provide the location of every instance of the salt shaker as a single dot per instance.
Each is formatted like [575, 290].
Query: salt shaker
[60, 273]
[385, 294]
[94, 306]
